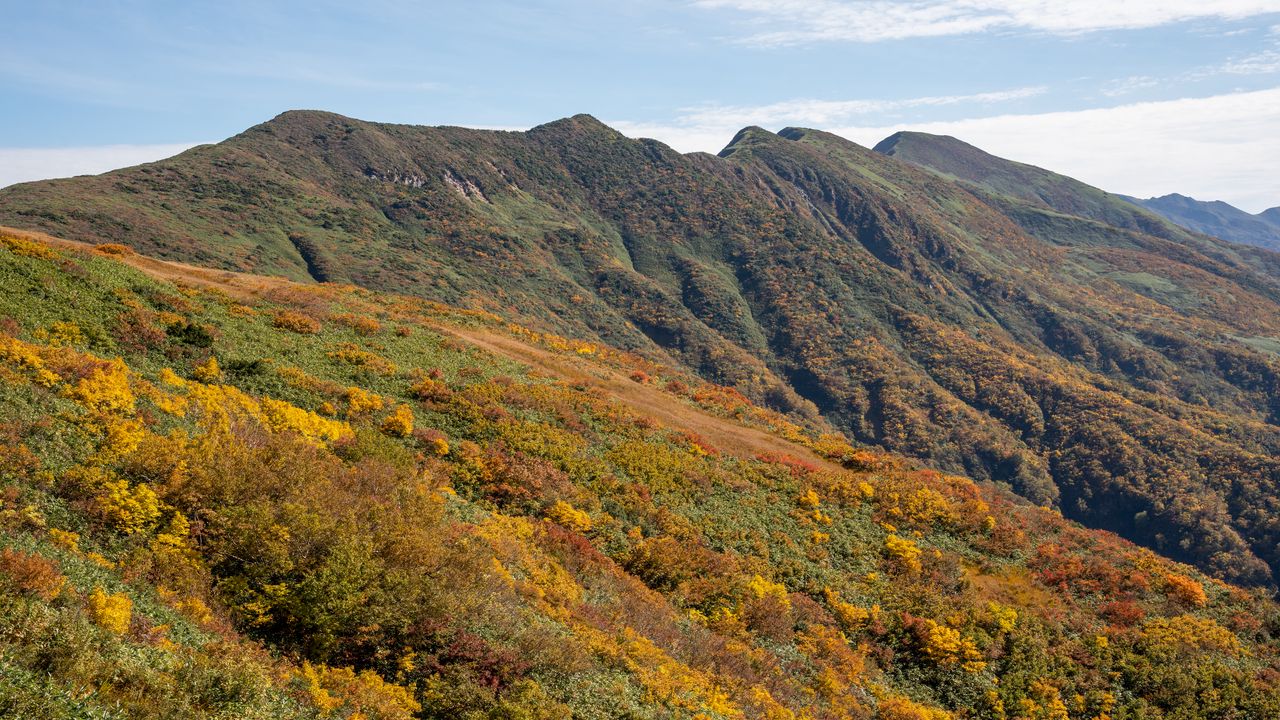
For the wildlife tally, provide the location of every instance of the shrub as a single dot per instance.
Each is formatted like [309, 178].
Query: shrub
[31, 573]
[400, 422]
[569, 516]
[294, 321]
[208, 371]
[112, 613]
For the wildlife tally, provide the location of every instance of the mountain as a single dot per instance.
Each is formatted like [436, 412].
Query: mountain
[1218, 219]
[226, 495]
[986, 318]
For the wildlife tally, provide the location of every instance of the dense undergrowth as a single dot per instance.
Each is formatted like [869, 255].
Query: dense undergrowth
[323, 504]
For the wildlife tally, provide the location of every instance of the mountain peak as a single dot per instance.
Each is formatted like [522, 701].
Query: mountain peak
[745, 138]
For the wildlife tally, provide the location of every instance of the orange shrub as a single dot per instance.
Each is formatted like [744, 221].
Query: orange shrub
[294, 321]
[31, 573]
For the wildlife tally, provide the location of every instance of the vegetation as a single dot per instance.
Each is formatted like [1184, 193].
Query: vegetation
[256, 526]
[988, 318]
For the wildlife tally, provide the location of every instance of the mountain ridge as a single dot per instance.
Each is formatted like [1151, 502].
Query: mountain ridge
[1072, 346]
[1218, 218]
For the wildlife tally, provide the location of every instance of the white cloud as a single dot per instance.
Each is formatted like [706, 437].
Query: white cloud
[792, 22]
[709, 127]
[26, 164]
[1224, 147]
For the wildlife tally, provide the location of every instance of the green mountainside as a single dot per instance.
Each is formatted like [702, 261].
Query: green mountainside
[231, 496]
[983, 317]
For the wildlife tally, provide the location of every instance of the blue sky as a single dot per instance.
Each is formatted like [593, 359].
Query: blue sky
[1137, 97]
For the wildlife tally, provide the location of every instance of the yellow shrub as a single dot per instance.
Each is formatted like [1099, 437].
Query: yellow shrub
[947, 647]
[400, 422]
[112, 613]
[62, 334]
[106, 389]
[569, 516]
[850, 616]
[281, 416]
[65, 539]
[361, 401]
[762, 589]
[208, 372]
[28, 248]
[900, 708]
[129, 510]
[26, 358]
[353, 694]
[904, 552]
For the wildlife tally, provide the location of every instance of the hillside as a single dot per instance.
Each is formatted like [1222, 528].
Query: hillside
[1083, 352]
[1218, 219]
[232, 496]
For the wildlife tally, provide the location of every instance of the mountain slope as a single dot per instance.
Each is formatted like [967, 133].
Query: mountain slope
[1217, 219]
[1079, 349]
[280, 500]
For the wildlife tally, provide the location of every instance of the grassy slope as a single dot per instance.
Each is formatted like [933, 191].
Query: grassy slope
[538, 547]
[810, 273]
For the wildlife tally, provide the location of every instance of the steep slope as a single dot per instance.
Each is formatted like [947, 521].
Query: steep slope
[280, 500]
[1071, 345]
[1217, 218]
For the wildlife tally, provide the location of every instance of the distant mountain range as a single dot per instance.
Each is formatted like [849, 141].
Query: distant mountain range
[984, 316]
[1218, 219]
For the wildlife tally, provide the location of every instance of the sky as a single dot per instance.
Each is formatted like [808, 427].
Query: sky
[1137, 97]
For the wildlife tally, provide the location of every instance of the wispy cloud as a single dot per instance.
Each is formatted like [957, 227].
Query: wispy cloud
[709, 127]
[1128, 85]
[27, 164]
[792, 22]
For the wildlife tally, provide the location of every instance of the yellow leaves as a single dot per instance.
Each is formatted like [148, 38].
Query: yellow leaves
[281, 416]
[1044, 703]
[569, 516]
[400, 422]
[26, 358]
[904, 552]
[1190, 635]
[345, 693]
[129, 509]
[669, 682]
[947, 647]
[208, 372]
[430, 389]
[759, 588]
[65, 539]
[850, 616]
[360, 402]
[901, 708]
[809, 499]
[61, 334]
[112, 613]
[1004, 617]
[106, 389]
[27, 248]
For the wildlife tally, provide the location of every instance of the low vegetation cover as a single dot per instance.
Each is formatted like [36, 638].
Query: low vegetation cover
[323, 502]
